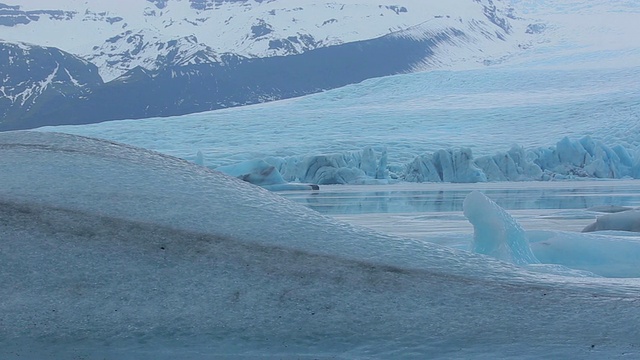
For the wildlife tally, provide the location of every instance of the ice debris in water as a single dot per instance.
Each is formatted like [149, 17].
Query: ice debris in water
[624, 220]
[259, 172]
[496, 233]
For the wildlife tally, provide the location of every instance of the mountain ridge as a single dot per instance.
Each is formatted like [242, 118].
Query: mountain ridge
[177, 90]
[120, 38]
[33, 76]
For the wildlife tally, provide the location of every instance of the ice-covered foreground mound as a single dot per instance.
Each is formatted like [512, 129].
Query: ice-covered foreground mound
[497, 234]
[109, 251]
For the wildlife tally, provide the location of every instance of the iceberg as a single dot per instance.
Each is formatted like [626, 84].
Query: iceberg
[609, 255]
[584, 158]
[448, 166]
[259, 172]
[628, 220]
[495, 232]
[498, 234]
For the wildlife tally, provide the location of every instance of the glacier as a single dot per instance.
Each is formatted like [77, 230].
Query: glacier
[496, 124]
[119, 252]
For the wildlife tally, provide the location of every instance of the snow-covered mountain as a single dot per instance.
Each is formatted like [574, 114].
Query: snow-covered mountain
[120, 35]
[175, 57]
[34, 75]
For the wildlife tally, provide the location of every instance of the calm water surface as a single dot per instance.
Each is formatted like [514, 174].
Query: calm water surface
[432, 211]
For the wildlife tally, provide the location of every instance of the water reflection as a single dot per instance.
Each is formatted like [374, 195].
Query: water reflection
[420, 198]
[333, 200]
[433, 212]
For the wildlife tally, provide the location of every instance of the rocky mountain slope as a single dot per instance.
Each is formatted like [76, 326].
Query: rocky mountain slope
[34, 76]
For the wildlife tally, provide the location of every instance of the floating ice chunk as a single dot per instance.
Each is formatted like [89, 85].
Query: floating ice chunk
[625, 221]
[329, 169]
[588, 144]
[288, 167]
[609, 208]
[634, 172]
[496, 233]
[606, 163]
[507, 166]
[382, 172]
[291, 187]
[604, 255]
[514, 165]
[490, 167]
[583, 158]
[257, 172]
[352, 167]
[624, 156]
[569, 159]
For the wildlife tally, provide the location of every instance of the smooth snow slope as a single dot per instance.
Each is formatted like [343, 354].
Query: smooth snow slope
[117, 252]
[583, 34]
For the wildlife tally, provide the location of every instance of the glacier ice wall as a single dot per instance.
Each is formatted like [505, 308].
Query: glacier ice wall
[568, 159]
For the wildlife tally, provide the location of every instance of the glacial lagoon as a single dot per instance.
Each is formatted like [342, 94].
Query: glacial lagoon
[433, 211]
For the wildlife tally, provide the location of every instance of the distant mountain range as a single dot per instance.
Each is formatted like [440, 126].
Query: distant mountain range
[73, 61]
